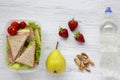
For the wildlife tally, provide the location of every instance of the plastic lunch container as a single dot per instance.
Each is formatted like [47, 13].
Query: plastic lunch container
[4, 62]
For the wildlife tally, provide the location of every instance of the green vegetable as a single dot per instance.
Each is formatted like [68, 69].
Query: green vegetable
[34, 26]
[31, 42]
[16, 66]
[38, 45]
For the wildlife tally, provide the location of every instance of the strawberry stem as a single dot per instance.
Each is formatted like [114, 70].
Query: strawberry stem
[73, 19]
[76, 34]
[57, 45]
[60, 28]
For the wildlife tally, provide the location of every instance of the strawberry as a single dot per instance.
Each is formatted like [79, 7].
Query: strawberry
[63, 32]
[79, 37]
[73, 24]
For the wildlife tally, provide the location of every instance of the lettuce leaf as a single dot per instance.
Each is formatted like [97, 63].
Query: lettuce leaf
[16, 66]
[30, 43]
[34, 26]
[38, 45]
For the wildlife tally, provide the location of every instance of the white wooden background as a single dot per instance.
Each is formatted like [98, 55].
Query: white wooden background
[51, 14]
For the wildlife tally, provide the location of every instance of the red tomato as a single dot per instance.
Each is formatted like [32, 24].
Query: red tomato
[15, 24]
[23, 24]
[12, 30]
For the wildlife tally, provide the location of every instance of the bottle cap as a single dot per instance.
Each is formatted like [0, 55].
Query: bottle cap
[108, 10]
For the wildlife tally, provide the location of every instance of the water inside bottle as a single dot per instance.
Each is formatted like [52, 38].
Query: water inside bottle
[109, 48]
[109, 37]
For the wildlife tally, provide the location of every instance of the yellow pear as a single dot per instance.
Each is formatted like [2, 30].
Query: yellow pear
[55, 62]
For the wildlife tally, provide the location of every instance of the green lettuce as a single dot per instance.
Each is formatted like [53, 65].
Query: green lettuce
[38, 45]
[35, 26]
[30, 43]
[16, 66]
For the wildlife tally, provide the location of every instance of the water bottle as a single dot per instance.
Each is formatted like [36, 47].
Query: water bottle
[108, 45]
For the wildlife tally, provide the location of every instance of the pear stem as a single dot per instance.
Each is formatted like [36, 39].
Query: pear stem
[57, 45]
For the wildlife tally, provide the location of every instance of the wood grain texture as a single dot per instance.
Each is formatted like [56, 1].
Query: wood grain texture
[51, 14]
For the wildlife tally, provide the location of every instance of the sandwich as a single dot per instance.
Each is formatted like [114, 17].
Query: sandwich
[16, 44]
[23, 49]
[28, 56]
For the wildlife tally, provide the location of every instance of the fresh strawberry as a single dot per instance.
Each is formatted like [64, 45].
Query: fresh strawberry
[73, 24]
[79, 37]
[63, 32]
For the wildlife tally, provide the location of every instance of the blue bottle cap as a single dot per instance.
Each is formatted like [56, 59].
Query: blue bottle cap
[108, 10]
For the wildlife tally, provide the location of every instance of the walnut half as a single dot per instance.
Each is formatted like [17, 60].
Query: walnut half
[82, 61]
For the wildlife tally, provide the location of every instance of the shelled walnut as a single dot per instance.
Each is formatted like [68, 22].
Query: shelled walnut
[82, 61]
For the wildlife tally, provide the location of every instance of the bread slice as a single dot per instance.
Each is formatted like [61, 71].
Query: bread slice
[28, 56]
[16, 43]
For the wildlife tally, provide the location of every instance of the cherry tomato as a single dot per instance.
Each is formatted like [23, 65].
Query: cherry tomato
[12, 30]
[23, 24]
[15, 24]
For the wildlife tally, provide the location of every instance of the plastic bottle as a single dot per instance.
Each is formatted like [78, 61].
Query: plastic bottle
[109, 45]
